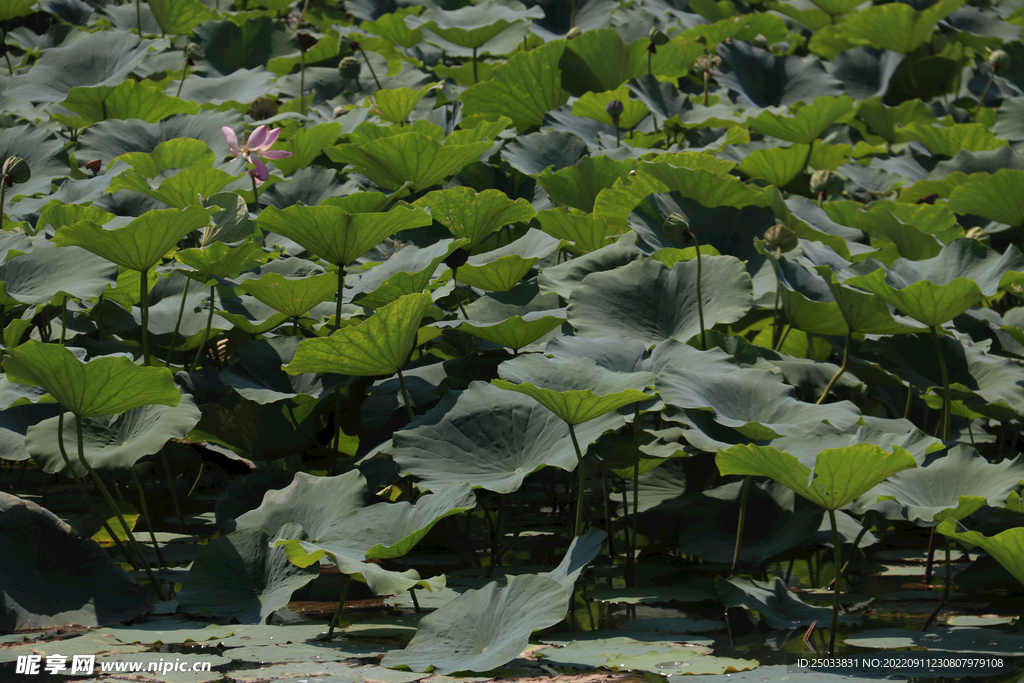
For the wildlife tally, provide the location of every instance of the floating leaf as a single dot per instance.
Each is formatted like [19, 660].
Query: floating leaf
[774, 601]
[412, 158]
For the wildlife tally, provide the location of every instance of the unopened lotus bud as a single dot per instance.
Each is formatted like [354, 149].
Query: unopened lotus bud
[16, 171]
[614, 109]
[997, 60]
[657, 36]
[574, 32]
[349, 68]
[94, 166]
[306, 41]
[457, 258]
[193, 51]
[779, 237]
[676, 227]
[819, 179]
[979, 234]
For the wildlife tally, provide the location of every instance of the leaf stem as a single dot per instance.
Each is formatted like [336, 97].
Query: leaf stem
[700, 298]
[631, 580]
[744, 497]
[145, 515]
[981, 102]
[476, 78]
[405, 396]
[177, 323]
[944, 422]
[836, 592]
[302, 81]
[945, 590]
[170, 488]
[184, 75]
[341, 290]
[206, 332]
[372, 72]
[336, 619]
[841, 370]
[578, 530]
[144, 303]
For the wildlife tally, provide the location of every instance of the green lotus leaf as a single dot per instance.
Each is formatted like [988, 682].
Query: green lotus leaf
[486, 628]
[306, 144]
[619, 652]
[43, 272]
[512, 319]
[534, 152]
[897, 27]
[967, 640]
[534, 72]
[753, 402]
[472, 215]
[221, 261]
[592, 106]
[102, 58]
[395, 105]
[234, 89]
[335, 235]
[249, 44]
[392, 27]
[763, 79]
[181, 190]
[950, 487]
[778, 165]
[292, 296]
[15, 9]
[378, 346]
[500, 269]
[783, 210]
[515, 332]
[179, 17]
[934, 291]
[931, 219]
[53, 576]
[258, 432]
[586, 233]
[408, 271]
[996, 197]
[780, 608]
[663, 99]
[128, 100]
[103, 386]
[1006, 547]
[47, 156]
[242, 576]
[491, 438]
[175, 153]
[948, 140]
[887, 122]
[314, 503]
[914, 441]
[412, 158]
[111, 442]
[257, 374]
[835, 478]
[251, 315]
[141, 244]
[578, 186]
[575, 389]
[472, 26]
[694, 663]
[647, 301]
[57, 215]
[361, 202]
[805, 124]
[599, 61]
[705, 186]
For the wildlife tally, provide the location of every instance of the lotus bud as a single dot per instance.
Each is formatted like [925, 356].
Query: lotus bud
[707, 63]
[339, 111]
[574, 32]
[457, 258]
[94, 166]
[657, 36]
[263, 108]
[349, 68]
[998, 59]
[193, 51]
[677, 227]
[780, 238]
[16, 170]
[306, 41]
[819, 179]
[979, 234]
[614, 109]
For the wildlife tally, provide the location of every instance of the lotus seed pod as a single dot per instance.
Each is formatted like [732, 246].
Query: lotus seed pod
[707, 63]
[263, 108]
[193, 51]
[657, 36]
[979, 234]
[676, 227]
[614, 108]
[819, 179]
[16, 171]
[574, 32]
[306, 41]
[349, 68]
[779, 237]
[998, 59]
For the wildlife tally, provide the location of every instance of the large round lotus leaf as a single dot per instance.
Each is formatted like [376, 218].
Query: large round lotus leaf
[314, 503]
[491, 438]
[219, 260]
[50, 576]
[473, 215]
[901, 28]
[102, 58]
[762, 79]
[619, 355]
[474, 25]
[574, 389]
[647, 301]
[378, 346]
[103, 386]
[111, 442]
[753, 402]
[408, 271]
[483, 629]
[774, 601]
[258, 376]
[806, 124]
[836, 477]
[563, 279]
[515, 332]
[37, 276]
[294, 297]
[777, 520]
[502, 268]
[412, 158]
[949, 487]
[934, 291]
[533, 153]
[996, 197]
[242, 576]
[806, 447]
[335, 235]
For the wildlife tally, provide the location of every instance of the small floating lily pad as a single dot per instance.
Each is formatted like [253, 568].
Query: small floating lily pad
[647, 596]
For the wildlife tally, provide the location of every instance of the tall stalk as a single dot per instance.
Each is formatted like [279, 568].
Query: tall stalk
[206, 332]
[144, 303]
[476, 78]
[945, 590]
[631, 579]
[744, 497]
[700, 297]
[177, 323]
[837, 546]
[145, 515]
[840, 371]
[943, 430]
[405, 397]
[578, 529]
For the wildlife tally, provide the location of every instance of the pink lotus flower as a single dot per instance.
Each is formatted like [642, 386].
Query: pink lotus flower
[256, 148]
